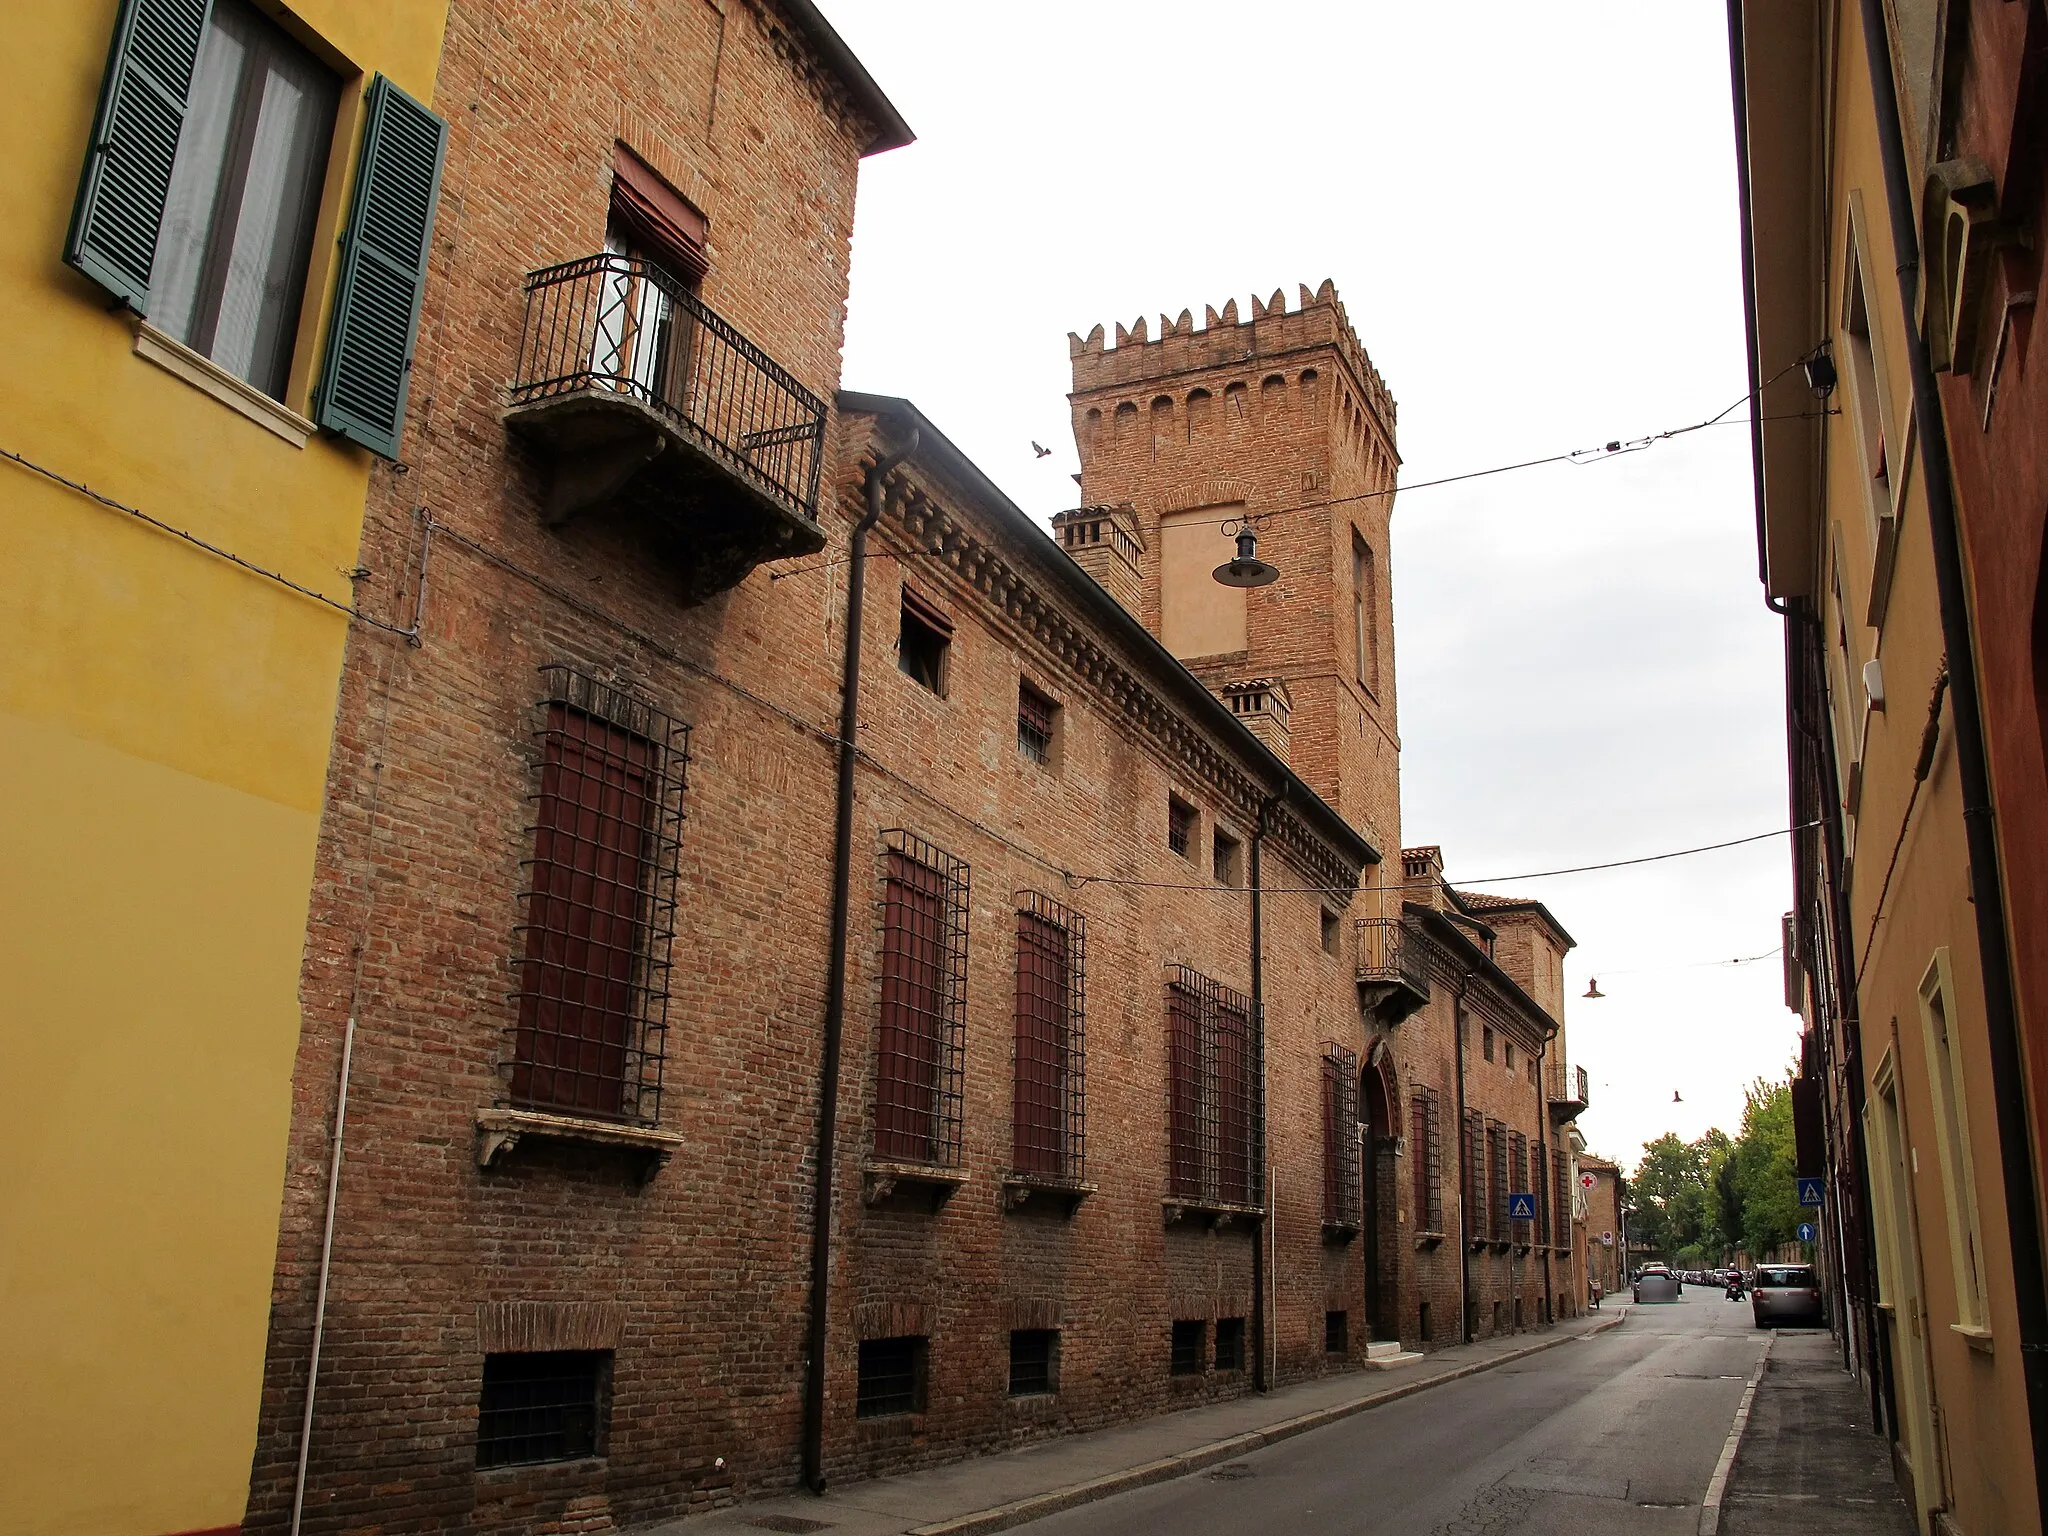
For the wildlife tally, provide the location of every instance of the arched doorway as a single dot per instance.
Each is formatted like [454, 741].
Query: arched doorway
[1380, 1127]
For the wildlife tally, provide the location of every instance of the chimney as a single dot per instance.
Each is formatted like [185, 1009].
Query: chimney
[1422, 869]
[1263, 705]
[1104, 542]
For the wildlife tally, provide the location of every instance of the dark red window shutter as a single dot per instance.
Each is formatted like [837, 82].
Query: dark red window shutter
[586, 917]
[1044, 1030]
[913, 1012]
[1234, 1118]
[1184, 1097]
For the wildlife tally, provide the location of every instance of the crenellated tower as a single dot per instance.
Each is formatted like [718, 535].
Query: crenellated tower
[1283, 419]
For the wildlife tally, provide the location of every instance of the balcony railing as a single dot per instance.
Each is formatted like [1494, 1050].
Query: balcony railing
[1393, 976]
[1567, 1089]
[643, 401]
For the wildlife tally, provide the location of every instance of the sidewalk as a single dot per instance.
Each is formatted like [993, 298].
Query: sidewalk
[993, 1493]
[1809, 1464]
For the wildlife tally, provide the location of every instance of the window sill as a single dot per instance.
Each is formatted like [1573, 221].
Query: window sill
[880, 1181]
[207, 376]
[1214, 1213]
[498, 1131]
[521, 1471]
[1427, 1240]
[1977, 1338]
[1339, 1231]
[1020, 1188]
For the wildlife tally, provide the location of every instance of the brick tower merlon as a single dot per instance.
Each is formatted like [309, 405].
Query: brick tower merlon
[1223, 341]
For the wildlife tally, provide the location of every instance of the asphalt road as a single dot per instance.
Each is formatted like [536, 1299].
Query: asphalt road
[1615, 1433]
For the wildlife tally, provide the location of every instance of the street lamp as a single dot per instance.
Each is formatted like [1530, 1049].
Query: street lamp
[1247, 569]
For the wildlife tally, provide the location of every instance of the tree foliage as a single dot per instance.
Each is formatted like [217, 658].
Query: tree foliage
[1697, 1202]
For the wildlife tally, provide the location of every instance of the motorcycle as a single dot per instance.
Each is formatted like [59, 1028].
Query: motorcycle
[1735, 1289]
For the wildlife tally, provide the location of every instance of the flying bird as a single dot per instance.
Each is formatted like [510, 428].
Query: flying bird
[1676, 1097]
[1043, 453]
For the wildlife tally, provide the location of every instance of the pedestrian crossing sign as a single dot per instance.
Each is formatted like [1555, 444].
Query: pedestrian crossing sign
[1810, 1191]
[1521, 1207]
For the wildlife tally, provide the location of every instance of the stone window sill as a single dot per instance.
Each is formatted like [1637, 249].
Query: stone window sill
[1339, 1231]
[498, 1131]
[880, 1180]
[1214, 1213]
[1977, 1338]
[1428, 1239]
[204, 374]
[1023, 1188]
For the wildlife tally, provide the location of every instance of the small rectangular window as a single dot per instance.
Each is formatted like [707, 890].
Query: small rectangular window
[891, 1377]
[1229, 858]
[922, 643]
[1034, 1361]
[1229, 1343]
[542, 1407]
[1189, 1335]
[1180, 826]
[1336, 1333]
[1332, 931]
[1422, 1323]
[1486, 1042]
[1035, 716]
[1507, 1056]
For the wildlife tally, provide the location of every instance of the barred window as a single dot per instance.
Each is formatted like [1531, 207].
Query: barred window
[1497, 1180]
[1340, 1136]
[1230, 1344]
[1539, 1186]
[1190, 1335]
[1035, 713]
[1426, 1156]
[1472, 1176]
[1048, 1104]
[1213, 1110]
[890, 1377]
[1034, 1361]
[1518, 1171]
[924, 999]
[1180, 825]
[1561, 1200]
[599, 911]
[542, 1407]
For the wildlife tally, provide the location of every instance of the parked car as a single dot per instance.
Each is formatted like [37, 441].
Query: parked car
[1786, 1293]
[1657, 1284]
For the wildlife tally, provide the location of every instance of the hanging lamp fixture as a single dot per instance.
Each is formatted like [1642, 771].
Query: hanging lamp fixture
[1247, 569]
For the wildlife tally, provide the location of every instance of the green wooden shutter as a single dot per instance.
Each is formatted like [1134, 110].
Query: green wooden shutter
[368, 365]
[134, 144]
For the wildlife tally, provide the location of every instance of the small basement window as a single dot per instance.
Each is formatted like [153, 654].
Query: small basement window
[1034, 1361]
[923, 643]
[1229, 1343]
[891, 1379]
[1229, 858]
[1189, 1335]
[1336, 1333]
[1035, 716]
[542, 1407]
[1332, 931]
[1180, 826]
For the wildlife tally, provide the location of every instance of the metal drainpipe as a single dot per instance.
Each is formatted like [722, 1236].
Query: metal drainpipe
[1738, 84]
[1261, 1382]
[1987, 893]
[1550, 1173]
[1465, 1174]
[835, 984]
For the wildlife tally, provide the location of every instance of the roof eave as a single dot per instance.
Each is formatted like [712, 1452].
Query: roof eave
[891, 132]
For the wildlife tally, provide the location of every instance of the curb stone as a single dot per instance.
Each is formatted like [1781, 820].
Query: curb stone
[1002, 1517]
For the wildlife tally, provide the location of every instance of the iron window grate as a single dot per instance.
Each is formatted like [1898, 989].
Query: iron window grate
[1518, 1173]
[1497, 1179]
[1189, 1336]
[1472, 1176]
[541, 1407]
[1539, 1186]
[1336, 1333]
[1340, 1135]
[921, 1035]
[1034, 724]
[1049, 1127]
[597, 931]
[1229, 1343]
[1180, 825]
[1034, 1361]
[891, 1377]
[1215, 1117]
[1425, 1120]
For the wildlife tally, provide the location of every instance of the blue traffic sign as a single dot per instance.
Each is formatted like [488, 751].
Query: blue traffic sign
[1806, 1231]
[1521, 1207]
[1810, 1191]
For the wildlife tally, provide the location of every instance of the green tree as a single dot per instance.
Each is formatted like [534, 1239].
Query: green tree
[1764, 1168]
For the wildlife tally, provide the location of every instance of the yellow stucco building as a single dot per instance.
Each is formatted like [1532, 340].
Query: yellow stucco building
[204, 289]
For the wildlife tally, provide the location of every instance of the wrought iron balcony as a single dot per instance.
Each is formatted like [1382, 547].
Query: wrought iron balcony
[1566, 1090]
[651, 407]
[1393, 978]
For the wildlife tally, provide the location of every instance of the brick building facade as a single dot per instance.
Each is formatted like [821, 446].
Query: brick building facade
[1104, 1144]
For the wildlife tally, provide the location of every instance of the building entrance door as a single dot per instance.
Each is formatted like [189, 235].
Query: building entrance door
[1377, 1134]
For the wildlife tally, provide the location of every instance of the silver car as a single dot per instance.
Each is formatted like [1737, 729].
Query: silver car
[1786, 1293]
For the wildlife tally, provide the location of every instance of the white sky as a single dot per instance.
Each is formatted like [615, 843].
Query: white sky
[1530, 214]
